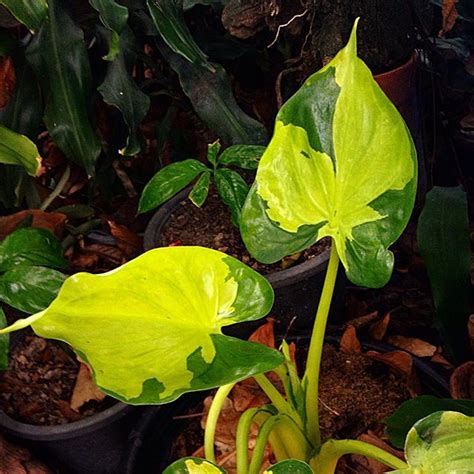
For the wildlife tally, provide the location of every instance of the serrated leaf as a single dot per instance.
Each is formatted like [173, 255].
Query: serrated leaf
[232, 190]
[16, 149]
[443, 237]
[244, 156]
[341, 160]
[413, 410]
[30, 288]
[441, 443]
[193, 465]
[290, 466]
[200, 190]
[29, 12]
[4, 342]
[31, 246]
[167, 182]
[151, 329]
[59, 58]
[121, 91]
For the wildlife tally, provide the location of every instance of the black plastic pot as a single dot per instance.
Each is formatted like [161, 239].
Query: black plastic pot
[151, 438]
[93, 445]
[297, 289]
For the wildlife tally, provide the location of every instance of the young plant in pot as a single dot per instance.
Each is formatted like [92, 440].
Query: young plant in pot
[151, 329]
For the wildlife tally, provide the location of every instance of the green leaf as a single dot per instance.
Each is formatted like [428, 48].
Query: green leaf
[114, 17]
[192, 465]
[151, 329]
[16, 149]
[290, 466]
[213, 150]
[201, 189]
[169, 21]
[441, 443]
[341, 160]
[244, 156]
[29, 12]
[167, 182]
[121, 91]
[31, 246]
[232, 190]
[411, 411]
[188, 4]
[4, 342]
[59, 57]
[30, 289]
[443, 237]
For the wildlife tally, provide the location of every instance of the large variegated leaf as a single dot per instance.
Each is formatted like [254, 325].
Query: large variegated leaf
[151, 329]
[341, 163]
[290, 466]
[193, 466]
[440, 443]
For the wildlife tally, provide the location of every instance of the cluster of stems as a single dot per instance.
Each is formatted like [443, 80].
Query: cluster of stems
[291, 430]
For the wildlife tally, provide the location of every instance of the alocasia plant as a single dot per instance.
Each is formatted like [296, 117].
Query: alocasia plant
[341, 164]
[231, 187]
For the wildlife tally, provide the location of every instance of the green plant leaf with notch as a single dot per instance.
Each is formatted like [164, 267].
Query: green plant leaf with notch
[168, 181]
[173, 303]
[29, 12]
[16, 149]
[441, 443]
[232, 190]
[244, 156]
[342, 164]
[192, 465]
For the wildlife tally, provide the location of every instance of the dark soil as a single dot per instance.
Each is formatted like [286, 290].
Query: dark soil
[37, 387]
[356, 394]
[211, 226]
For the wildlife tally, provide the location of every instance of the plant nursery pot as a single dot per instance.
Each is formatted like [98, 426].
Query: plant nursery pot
[92, 445]
[151, 439]
[297, 289]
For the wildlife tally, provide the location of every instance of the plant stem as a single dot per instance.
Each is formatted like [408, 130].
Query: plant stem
[57, 190]
[313, 364]
[212, 417]
[325, 462]
[274, 395]
[261, 442]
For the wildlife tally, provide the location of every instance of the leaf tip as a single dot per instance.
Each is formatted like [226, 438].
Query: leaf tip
[352, 44]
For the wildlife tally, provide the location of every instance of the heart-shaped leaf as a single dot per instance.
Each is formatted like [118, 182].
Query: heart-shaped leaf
[192, 465]
[342, 164]
[441, 443]
[151, 329]
[290, 466]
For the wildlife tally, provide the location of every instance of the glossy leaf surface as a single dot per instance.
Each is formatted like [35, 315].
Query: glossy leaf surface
[443, 237]
[168, 181]
[31, 246]
[440, 443]
[290, 466]
[413, 410]
[201, 189]
[4, 342]
[192, 465]
[233, 191]
[342, 164]
[151, 329]
[120, 90]
[16, 149]
[30, 288]
[29, 12]
[243, 156]
[59, 58]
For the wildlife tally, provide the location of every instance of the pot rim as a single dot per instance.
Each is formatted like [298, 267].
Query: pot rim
[278, 279]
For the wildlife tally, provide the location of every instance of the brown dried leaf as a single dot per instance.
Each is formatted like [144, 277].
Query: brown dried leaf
[7, 80]
[349, 342]
[378, 329]
[364, 320]
[53, 221]
[438, 358]
[109, 253]
[462, 382]
[127, 241]
[265, 334]
[413, 345]
[450, 15]
[85, 389]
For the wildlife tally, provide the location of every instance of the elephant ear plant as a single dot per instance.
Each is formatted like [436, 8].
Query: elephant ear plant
[341, 164]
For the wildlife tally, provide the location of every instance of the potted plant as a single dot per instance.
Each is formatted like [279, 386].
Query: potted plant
[164, 338]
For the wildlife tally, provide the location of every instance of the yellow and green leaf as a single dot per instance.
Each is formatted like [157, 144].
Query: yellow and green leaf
[192, 465]
[342, 164]
[151, 329]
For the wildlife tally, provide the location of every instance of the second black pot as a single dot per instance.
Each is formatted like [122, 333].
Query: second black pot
[297, 289]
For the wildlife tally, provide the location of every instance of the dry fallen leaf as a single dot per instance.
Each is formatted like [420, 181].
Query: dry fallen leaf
[378, 329]
[127, 241]
[413, 345]
[349, 342]
[462, 382]
[85, 389]
[53, 221]
[7, 80]
[450, 15]
[265, 334]
[364, 320]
